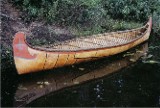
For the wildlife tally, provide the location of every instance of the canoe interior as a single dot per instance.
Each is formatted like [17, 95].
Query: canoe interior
[96, 41]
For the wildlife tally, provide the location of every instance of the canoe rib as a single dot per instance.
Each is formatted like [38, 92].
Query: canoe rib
[31, 59]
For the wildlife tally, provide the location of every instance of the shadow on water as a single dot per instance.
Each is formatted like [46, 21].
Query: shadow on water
[131, 78]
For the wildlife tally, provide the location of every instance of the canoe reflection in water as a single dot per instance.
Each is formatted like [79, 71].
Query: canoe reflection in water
[29, 90]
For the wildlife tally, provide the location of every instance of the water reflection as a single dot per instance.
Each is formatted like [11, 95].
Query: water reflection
[29, 90]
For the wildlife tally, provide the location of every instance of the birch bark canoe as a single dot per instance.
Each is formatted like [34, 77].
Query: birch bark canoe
[33, 59]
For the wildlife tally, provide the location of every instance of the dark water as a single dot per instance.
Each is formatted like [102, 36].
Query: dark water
[115, 81]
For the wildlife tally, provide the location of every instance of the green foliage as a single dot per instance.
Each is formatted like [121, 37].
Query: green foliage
[108, 25]
[156, 23]
[131, 9]
[134, 10]
[90, 13]
[64, 11]
[40, 8]
[80, 12]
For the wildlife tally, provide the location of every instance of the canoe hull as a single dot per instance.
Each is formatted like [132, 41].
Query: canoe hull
[38, 60]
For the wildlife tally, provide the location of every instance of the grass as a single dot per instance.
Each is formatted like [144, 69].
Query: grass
[108, 25]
